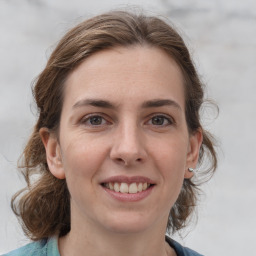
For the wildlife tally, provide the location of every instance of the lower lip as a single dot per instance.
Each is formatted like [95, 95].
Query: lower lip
[126, 197]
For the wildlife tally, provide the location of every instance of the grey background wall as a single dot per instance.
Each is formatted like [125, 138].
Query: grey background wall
[222, 39]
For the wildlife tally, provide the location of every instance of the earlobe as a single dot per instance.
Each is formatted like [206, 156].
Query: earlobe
[53, 153]
[195, 142]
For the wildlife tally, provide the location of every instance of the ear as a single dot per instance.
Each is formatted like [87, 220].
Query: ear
[195, 142]
[53, 153]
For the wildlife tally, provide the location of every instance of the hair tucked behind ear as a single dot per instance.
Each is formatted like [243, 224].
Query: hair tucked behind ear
[44, 206]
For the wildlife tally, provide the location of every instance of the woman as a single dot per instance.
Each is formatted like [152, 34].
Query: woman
[116, 143]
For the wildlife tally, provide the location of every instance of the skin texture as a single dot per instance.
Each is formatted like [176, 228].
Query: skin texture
[128, 136]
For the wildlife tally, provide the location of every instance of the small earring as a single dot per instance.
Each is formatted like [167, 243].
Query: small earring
[190, 169]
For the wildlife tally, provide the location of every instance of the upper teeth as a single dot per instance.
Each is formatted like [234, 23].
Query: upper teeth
[127, 188]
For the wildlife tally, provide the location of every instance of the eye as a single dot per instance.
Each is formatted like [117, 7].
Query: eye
[160, 120]
[94, 120]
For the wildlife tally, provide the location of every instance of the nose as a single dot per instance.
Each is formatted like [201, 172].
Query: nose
[128, 146]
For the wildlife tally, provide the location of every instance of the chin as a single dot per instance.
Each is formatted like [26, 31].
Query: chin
[127, 228]
[129, 223]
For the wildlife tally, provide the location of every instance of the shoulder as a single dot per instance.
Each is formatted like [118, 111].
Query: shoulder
[45, 247]
[180, 250]
[35, 248]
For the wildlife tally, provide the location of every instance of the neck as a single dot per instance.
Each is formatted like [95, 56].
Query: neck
[113, 246]
[88, 239]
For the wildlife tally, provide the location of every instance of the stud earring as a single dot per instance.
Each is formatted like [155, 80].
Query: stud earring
[190, 169]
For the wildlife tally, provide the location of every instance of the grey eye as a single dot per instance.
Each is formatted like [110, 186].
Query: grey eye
[95, 120]
[160, 120]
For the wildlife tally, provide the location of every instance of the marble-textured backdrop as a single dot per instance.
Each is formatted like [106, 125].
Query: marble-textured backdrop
[222, 39]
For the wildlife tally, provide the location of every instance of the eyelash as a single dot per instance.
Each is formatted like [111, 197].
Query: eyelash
[169, 120]
[89, 118]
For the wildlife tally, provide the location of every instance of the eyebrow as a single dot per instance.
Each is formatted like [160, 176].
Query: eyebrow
[160, 103]
[94, 103]
[107, 104]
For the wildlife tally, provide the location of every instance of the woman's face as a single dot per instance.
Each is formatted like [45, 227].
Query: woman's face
[123, 146]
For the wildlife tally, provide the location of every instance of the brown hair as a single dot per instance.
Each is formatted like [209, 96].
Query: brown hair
[44, 206]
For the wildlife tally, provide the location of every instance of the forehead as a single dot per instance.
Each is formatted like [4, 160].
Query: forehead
[138, 72]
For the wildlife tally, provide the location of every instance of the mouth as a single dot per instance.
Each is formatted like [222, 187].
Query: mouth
[127, 188]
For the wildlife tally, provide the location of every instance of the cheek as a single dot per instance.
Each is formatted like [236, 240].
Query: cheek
[82, 160]
[170, 161]
[170, 155]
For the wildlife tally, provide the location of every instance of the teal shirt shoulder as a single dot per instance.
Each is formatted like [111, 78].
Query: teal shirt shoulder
[45, 247]
[49, 247]
[179, 249]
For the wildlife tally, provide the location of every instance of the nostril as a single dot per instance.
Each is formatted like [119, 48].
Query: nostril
[120, 160]
[127, 162]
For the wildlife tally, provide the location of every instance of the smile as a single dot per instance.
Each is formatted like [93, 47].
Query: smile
[128, 189]
[132, 188]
